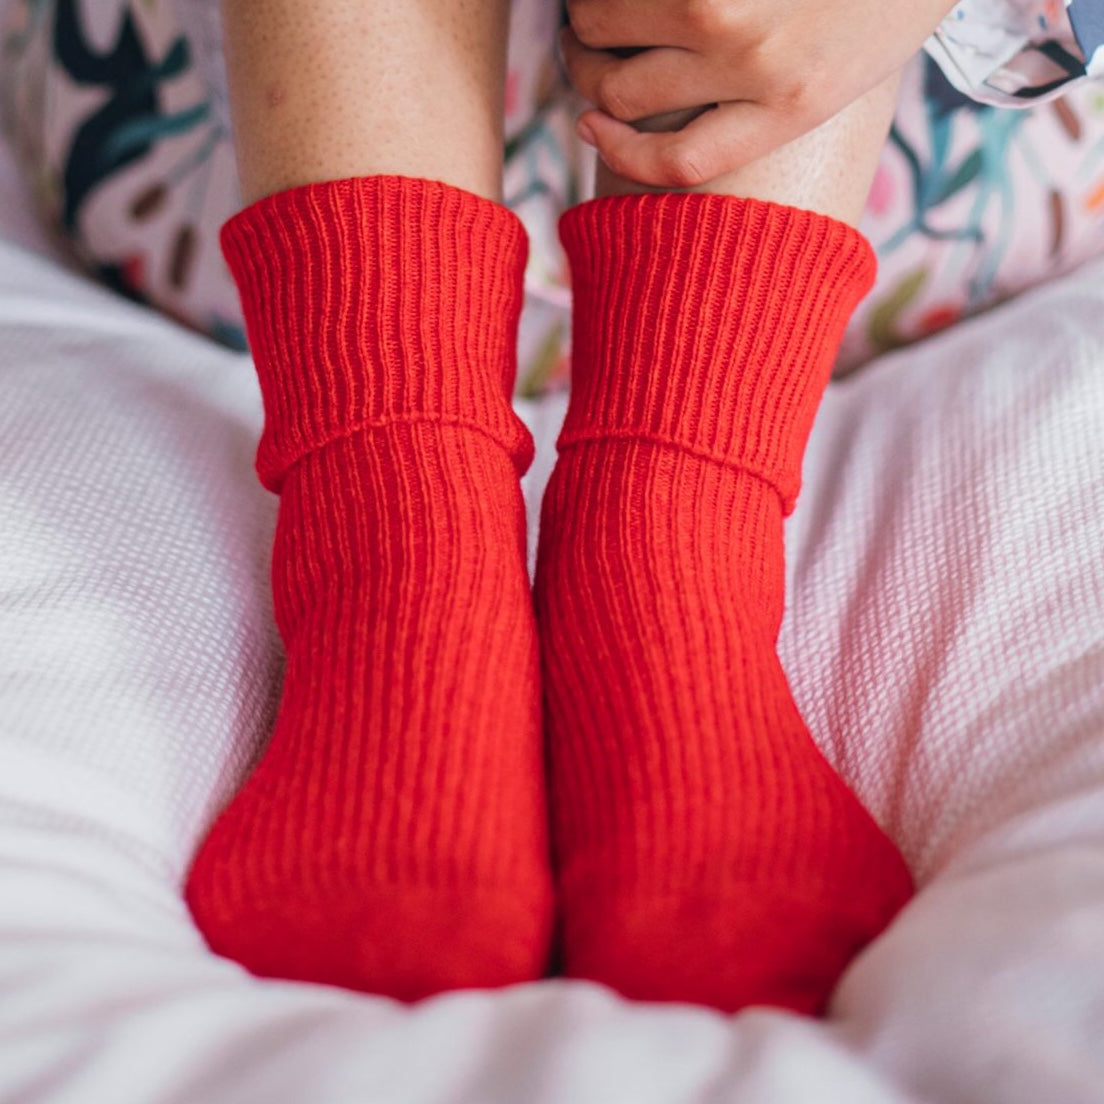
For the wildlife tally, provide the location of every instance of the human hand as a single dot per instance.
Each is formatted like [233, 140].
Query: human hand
[770, 71]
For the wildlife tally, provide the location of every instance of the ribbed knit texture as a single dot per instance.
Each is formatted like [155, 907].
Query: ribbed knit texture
[705, 849]
[394, 836]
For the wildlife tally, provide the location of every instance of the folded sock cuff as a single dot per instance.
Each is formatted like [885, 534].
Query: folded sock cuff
[710, 323]
[377, 300]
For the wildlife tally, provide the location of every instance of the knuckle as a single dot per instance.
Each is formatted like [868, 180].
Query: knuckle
[709, 17]
[616, 161]
[586, 21]
[683, 166]
[613, 99]
[794, 96]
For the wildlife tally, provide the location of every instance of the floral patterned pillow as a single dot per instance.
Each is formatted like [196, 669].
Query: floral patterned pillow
[973, 203]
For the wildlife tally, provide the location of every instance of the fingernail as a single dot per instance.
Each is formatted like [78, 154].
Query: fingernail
[583, 131]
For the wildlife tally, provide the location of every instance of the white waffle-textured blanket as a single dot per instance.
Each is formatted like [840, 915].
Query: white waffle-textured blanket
[945, 636]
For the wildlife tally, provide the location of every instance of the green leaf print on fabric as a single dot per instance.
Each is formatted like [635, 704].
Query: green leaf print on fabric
[882, 326]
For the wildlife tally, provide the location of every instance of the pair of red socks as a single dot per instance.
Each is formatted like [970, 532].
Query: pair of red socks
[453, 779]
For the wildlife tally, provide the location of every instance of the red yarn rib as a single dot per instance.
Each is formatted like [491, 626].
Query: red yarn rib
[706, 851]
[394, 836]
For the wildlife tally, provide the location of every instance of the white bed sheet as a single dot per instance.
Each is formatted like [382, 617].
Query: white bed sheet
[945, 637]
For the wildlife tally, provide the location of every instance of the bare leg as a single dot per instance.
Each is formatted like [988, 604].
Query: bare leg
[706, 851]
[394, 836]
[346, 88]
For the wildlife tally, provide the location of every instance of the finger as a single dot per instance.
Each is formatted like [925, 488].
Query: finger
[653, 82]
[609, 24]
[721, 140]
[669, 120]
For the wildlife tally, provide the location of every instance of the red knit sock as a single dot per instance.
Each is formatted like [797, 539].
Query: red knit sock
[394, 836]
[706, 851]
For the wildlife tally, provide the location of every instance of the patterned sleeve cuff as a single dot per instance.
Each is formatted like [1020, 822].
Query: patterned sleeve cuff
[1016, 53]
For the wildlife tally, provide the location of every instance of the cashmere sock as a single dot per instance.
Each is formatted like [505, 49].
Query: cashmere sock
[394, 836]
[705, 849]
